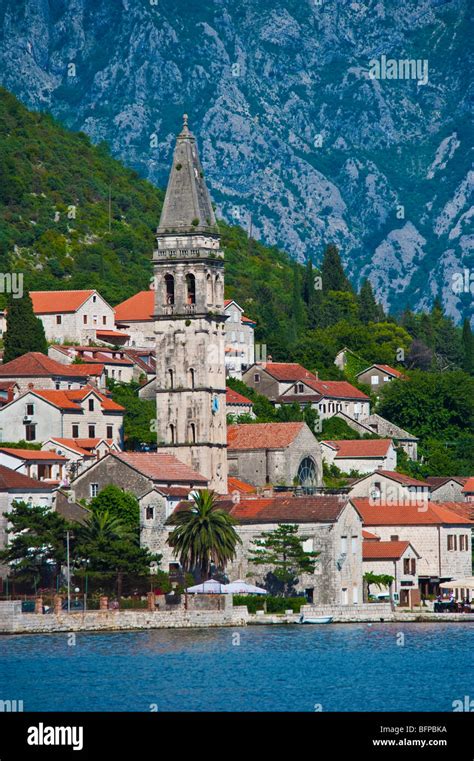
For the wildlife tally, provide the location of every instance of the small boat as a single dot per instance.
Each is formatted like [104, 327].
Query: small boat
[318, 620]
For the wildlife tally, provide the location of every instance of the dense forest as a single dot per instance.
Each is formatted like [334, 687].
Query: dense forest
[71, 216]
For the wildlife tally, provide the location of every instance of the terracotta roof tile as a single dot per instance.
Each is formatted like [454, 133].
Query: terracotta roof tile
[288, 371]
[469, 485]
[429, 514]
[262, 435]
[55, 302]
[160, 466]
[35, 364]
[401, 478]
[32, 454]
[11, 479]
[73, 445]
[233, 397]
[139, 307]
[319, 509]
[369, 536]
[69, 400]
[360, 447]
[383, 550]
[235, 484]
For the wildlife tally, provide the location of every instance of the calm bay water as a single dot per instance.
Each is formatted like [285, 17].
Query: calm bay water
[352, 667]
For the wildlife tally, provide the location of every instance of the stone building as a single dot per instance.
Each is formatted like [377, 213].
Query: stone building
[239, 339]
[290, 382]
[377, 424]
[274, 453]
[16, 487]
[327, 525]
[40, 414]
[237, 404]
[376, 376]
[190, 321]
[446, 488]
[36, 370]
[391, 487]
[398, 559]
[79, 316]
[361, 455]
[440, 536]
[138, 473]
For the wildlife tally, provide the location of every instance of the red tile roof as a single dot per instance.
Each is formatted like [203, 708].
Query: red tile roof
[88, 368]
[233, 397]
[56, 302]
[401, 478]
[139, 307]
[111, 333]
[369, 536]
[160, 466]
[336, 389]
[69, 400]
[383, 550]
[73, 445]
[235, 484]
[262, 435]
[385, 368]
[32, 454]
[288, 371]
[429, 514]
[35, 364]
[355, 448]
[469, 485]
[320, 509]
[11, 479]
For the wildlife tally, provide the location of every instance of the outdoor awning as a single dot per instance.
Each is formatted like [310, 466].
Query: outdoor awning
[466, 583]
[210, 587]
[240, 587]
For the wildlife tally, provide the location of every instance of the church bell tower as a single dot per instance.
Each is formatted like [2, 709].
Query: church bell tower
[189, 321]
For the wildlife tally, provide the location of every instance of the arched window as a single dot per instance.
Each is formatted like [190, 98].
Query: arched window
[173, 434]
[170, 378]
[192, 377]
[192, 432]
[217, 290]
[169, 286]
[209, 290]
[307, 476]
[190, 289]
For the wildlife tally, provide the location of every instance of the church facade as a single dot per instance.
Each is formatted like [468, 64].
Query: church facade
[189, 321]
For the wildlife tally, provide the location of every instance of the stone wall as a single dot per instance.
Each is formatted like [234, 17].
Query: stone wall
[108, 620]
[107, 471]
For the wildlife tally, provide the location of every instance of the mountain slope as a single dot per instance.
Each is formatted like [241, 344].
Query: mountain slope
[292, 130]
[54, 222]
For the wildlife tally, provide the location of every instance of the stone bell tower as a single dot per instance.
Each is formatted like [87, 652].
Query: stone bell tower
[189, 321]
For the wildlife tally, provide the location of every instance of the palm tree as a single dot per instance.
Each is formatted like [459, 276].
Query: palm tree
[204, 534]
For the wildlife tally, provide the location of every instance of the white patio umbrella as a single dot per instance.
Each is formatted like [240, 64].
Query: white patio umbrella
[240, 587]
[210, 587]
[466, 583]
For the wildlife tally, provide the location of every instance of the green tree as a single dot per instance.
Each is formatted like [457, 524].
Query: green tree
[379, 581]
[203, 534]
[369, 310]
[283, 550]
[468, 347]
[106, 547]
[24, 332]
[118, 504]
[37, 547]
[332, 271]
[140, 415]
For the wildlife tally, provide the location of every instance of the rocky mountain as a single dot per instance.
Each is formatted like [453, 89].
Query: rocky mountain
[318, 120]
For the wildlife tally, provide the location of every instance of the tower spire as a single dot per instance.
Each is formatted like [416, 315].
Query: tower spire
[187, 206]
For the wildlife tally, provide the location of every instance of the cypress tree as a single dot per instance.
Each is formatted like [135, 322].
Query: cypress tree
[468, 346]
[24, 332]
[369, 310]
[332, 271]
